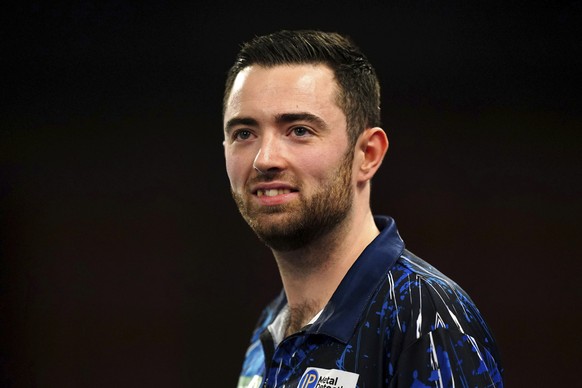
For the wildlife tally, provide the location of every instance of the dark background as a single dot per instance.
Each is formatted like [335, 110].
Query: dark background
[124, 261]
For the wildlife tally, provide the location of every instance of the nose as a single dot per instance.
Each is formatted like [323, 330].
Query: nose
[270, 157]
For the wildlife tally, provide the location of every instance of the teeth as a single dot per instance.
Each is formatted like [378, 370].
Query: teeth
[272, 192]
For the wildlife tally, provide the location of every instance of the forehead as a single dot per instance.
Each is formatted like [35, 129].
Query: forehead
[282, 88]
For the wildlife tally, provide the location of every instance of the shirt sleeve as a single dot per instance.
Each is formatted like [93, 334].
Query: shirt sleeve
[446, 358]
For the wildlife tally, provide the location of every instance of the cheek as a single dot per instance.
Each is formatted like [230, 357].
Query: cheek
[235, 169]
[230, 163]
[321, 167]
[231, 171]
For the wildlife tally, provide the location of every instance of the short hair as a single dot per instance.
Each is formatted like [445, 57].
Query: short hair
[359, 90]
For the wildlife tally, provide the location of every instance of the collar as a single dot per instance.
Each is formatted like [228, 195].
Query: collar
[342, 313]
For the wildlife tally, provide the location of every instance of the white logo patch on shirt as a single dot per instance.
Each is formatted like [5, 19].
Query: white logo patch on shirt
[328, 378]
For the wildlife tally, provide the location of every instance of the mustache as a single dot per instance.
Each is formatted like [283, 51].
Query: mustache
[269, 176]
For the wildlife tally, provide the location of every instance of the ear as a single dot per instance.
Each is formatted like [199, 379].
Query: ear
[372, 146]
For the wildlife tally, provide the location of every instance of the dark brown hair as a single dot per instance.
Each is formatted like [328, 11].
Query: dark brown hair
[359, 90]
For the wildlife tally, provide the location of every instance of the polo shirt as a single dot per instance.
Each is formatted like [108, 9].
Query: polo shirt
[394, 321]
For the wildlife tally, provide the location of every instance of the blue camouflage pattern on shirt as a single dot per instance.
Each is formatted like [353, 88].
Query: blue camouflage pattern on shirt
[413, 327]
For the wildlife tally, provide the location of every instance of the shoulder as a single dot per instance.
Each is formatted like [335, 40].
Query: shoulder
[435, 326]
[423, 296]
[441, 301]
[416, 299]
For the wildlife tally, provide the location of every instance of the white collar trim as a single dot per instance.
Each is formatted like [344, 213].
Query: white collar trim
[278, 327]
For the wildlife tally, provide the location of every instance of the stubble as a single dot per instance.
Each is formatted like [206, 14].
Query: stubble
[301, 223]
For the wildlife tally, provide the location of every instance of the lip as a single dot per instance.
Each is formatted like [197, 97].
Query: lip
[278, 199]
[272, 186]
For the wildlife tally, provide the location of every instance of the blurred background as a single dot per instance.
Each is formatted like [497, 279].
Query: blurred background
[123, 260]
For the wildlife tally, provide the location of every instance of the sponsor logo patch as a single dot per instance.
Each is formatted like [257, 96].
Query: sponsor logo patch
[328, 378]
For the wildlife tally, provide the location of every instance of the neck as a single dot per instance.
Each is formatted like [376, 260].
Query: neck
[311, 275]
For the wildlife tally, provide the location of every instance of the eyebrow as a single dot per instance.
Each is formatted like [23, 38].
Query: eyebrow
[239, 121]
[301, 116]
[282, 118]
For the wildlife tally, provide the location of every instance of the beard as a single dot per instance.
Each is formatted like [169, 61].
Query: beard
[296, 225]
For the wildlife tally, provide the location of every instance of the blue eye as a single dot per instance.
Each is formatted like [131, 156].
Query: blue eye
[300, 131]
[242, 135]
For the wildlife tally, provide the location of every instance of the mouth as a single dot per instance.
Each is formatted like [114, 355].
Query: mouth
[272, 192]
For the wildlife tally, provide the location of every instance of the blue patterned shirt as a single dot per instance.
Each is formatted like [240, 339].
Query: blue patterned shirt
[394, 321]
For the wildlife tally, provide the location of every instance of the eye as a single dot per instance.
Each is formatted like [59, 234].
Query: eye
[243, 134]
[300, 131]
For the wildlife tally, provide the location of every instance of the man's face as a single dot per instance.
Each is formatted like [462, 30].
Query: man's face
[287, 153]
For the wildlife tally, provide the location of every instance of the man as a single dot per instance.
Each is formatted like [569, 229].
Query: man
[302, 142]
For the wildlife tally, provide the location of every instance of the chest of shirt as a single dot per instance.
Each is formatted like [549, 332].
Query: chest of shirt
[315, 360]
